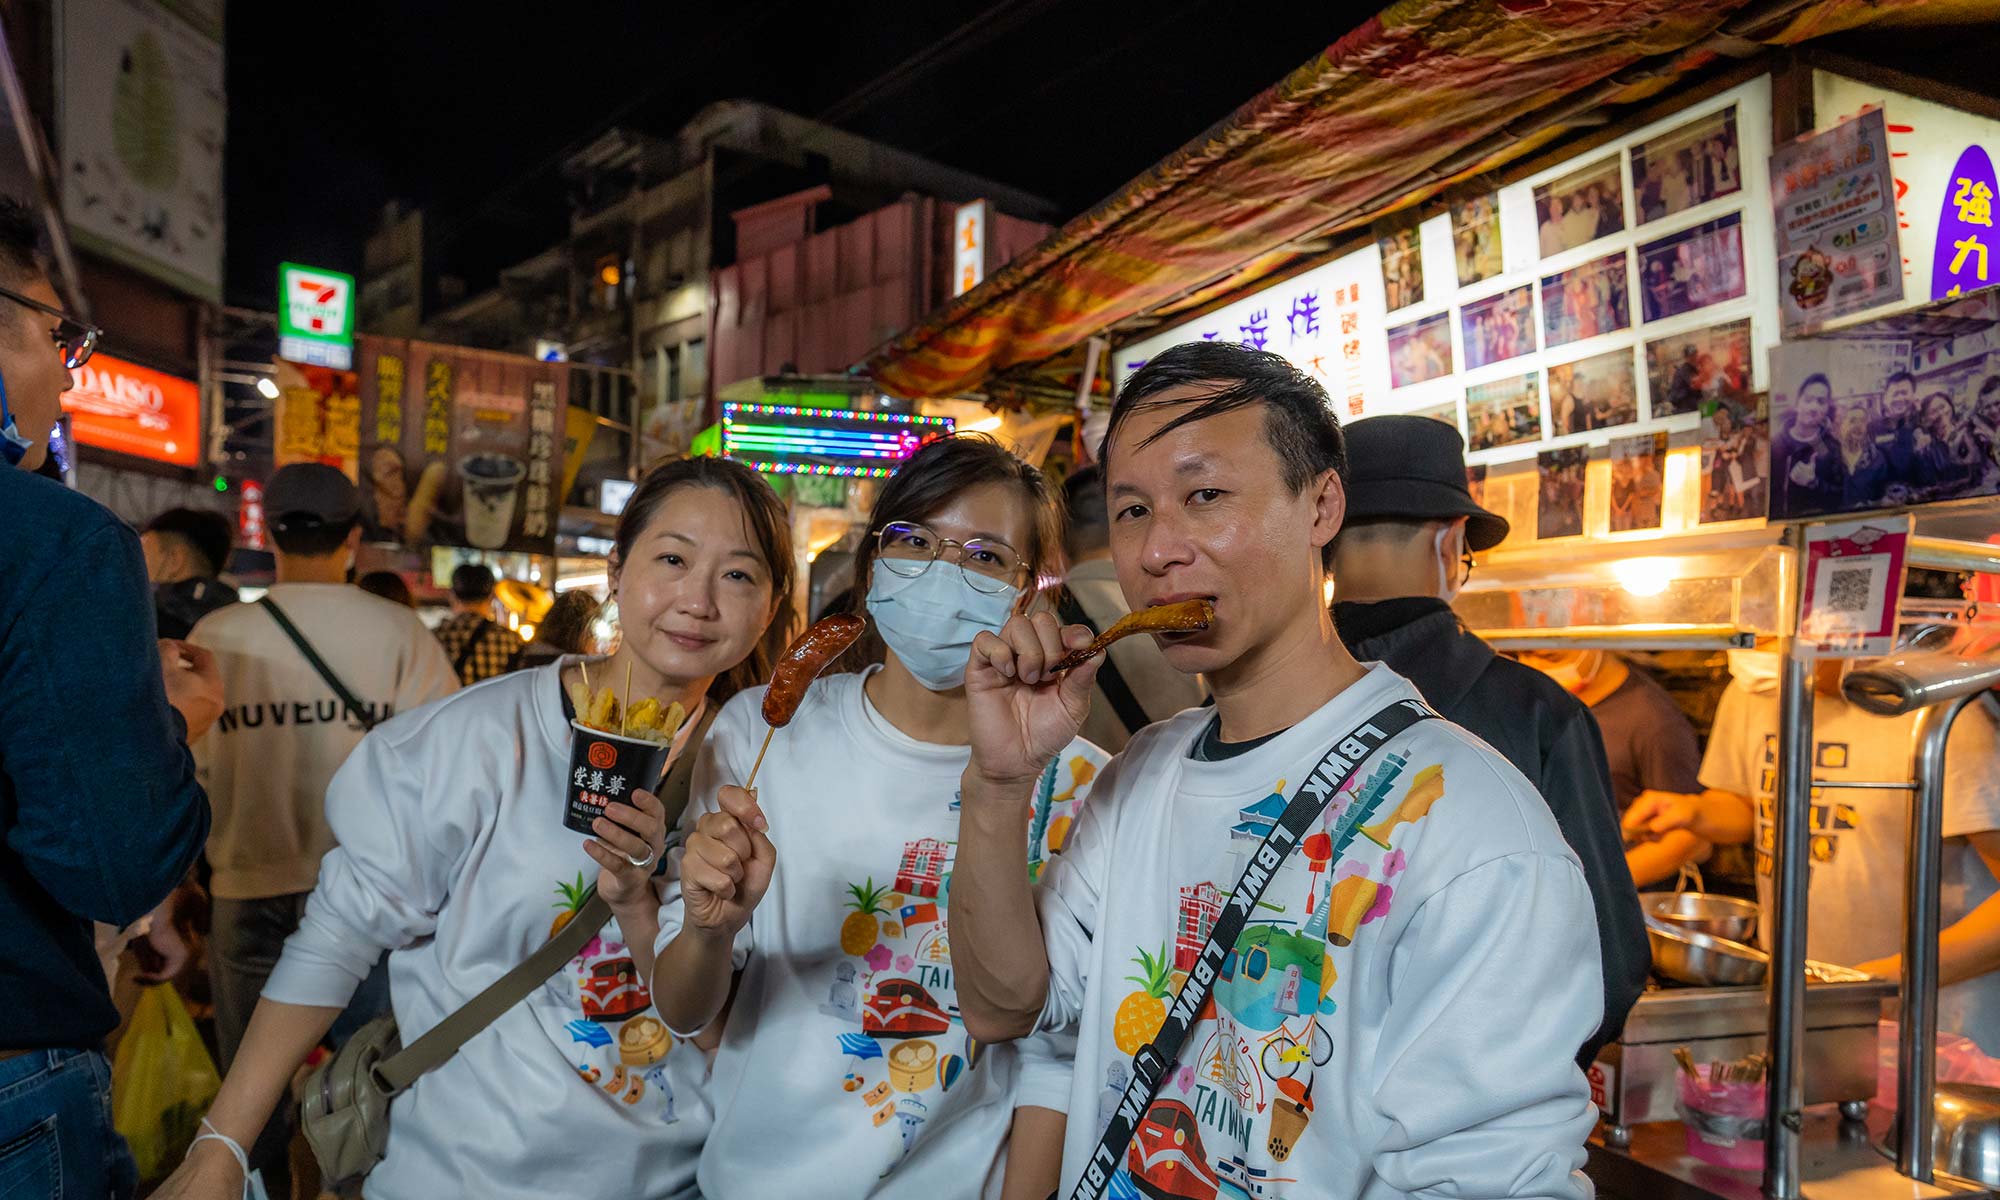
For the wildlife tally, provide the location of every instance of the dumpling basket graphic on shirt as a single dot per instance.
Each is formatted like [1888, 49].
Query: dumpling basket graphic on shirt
[345, 1107]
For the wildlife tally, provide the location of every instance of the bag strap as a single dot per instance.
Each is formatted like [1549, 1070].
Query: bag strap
[1131, 713]
[444, 1039]
[365, 716]
[1150, 1064]
[471, 646]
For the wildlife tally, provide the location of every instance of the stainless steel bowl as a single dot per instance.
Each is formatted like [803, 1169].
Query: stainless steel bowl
[1966, 1140]
[1699, 912]
[1689, 957]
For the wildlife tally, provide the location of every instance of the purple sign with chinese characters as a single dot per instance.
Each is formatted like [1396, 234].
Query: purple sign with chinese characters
[1965, 228]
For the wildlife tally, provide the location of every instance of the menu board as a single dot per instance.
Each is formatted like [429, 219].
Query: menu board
[460, 447]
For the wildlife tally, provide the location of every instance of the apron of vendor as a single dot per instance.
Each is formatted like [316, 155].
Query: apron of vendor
[1858, 840]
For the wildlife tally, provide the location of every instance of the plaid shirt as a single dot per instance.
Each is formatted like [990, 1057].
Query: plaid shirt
[492, 647]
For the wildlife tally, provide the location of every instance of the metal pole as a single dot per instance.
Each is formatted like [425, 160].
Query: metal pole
[1786, 980]
[1916, 1052]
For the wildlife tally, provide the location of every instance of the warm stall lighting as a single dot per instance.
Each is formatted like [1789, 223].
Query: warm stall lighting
[983, 425]
[600, 579]
[267, 388]
[1644, 576]
[527, 633]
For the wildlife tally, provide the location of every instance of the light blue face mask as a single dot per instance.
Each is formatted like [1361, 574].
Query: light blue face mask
[930, 620]
[13, 446]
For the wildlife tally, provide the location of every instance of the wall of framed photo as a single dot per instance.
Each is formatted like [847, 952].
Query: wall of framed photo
[1622, 296]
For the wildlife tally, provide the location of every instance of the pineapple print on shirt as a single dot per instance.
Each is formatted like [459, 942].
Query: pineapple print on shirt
[1229, 1114]
[905, 1047]
[601, 1009]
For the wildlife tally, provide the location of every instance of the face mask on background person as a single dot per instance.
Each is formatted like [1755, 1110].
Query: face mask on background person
[1450, 553]
[929, 620]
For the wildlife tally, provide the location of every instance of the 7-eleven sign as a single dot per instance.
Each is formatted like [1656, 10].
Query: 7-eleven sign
[315, 315]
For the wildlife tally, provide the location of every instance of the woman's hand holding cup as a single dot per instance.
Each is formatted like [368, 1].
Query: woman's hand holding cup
[630, 839]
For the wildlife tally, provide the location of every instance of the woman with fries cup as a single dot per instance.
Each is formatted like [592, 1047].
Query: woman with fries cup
[453, 856]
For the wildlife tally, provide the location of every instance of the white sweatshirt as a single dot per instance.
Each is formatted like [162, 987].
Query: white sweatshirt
[844, 1070]
[1400, 1023]
[452, 855]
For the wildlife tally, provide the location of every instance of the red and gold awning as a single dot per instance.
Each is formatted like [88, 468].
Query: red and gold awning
[1359, 131]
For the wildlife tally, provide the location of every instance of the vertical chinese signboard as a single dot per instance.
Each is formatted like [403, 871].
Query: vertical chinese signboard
[968, 247]
[1965, 228]
[1834, 201]
[318, 417]
[462, 446]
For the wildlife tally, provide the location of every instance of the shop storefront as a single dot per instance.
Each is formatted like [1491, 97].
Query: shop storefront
[1623, 316]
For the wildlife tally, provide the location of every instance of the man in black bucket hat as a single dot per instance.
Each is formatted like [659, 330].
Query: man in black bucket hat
[1406, 549]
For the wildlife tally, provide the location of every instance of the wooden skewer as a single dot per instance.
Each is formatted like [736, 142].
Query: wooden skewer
[625, 704]
[768, 735]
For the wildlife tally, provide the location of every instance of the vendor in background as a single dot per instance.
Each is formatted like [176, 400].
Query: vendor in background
[1402, 555]
[1859, 837]
[1647, 740]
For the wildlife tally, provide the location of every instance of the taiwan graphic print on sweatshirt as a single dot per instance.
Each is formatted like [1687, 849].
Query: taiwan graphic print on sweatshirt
[453, 856]
[1399, 1021]
[844, 1068]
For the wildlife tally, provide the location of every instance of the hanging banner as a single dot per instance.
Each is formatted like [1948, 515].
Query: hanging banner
[1834, 201]
[317, 416]
[1854, 577]
[464, 447]
[140, 123]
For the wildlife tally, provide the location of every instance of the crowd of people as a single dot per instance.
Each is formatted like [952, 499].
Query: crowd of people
[967, 924]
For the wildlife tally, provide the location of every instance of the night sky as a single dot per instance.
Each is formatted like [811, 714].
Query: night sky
[466, 109]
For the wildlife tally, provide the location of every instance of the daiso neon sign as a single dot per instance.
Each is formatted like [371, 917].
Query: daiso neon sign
[121, 406]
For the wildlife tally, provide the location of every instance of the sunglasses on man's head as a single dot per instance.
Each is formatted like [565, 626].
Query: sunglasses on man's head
[76, 339]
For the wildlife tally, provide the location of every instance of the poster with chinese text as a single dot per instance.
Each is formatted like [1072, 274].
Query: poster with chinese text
[461, 447]
[1834, 204]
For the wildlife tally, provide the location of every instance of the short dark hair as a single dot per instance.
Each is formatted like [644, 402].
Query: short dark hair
[1818, 377]
[206, 533]
[472, 582]
[1298, 416]
[308, 536]
[21, 258]
[1896, 377]
[1084, 506]
[389, 585]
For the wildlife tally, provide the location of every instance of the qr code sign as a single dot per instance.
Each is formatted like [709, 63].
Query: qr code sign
[1848, 588]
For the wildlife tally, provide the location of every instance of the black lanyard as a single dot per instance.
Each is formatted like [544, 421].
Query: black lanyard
[1150, 1064]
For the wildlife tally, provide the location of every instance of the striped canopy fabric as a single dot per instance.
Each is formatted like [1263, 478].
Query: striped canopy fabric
[1357, 132]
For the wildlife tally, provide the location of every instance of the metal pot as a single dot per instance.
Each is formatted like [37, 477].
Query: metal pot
[1966, 1138]
[1699, 912]
[1697, 958]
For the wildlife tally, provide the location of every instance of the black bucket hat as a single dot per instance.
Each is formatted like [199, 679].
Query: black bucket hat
[1414, 468]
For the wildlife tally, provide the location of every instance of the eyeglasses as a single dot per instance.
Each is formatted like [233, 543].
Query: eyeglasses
[1465, 560]
[908, 549]
[76, 339]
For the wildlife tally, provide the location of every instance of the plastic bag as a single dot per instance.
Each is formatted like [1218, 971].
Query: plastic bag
[162, 1082]
[1959, 1060]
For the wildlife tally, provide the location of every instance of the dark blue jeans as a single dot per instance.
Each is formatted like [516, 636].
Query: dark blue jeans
[56, 1139]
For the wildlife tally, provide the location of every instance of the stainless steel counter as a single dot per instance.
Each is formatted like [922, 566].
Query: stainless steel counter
[1839, 1160]
[1634, 1076]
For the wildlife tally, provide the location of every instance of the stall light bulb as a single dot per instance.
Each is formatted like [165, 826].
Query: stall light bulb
[1644, 576]
[266, 388]
[527, 633]
[982, 425]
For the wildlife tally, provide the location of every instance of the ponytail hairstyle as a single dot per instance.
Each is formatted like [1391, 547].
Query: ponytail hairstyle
[770, 530]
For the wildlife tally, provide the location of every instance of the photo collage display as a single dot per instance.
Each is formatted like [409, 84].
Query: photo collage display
[1662, 251]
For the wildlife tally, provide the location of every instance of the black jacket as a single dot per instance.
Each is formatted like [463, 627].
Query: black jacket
[1548, 735]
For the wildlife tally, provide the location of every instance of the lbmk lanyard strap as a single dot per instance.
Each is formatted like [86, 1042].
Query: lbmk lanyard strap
[1150, 1064]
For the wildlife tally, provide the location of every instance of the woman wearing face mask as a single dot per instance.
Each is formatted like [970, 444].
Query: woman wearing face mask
[451, 848]
[844, 1069]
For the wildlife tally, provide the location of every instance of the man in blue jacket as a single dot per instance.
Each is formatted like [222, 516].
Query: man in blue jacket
[100, 814]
